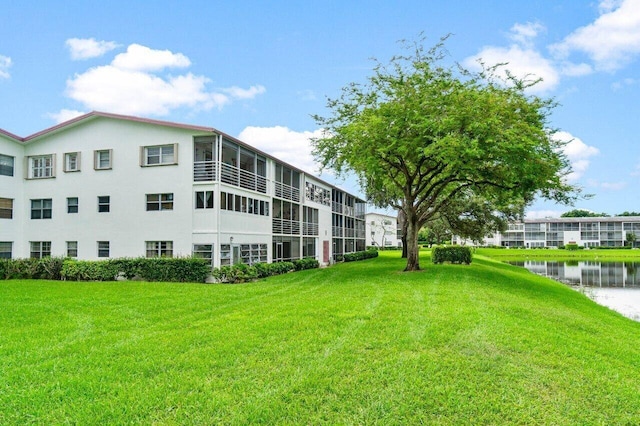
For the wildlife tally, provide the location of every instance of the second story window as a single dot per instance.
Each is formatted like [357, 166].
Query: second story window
[157, 202]
[104, 204]
[41, 209]
[41, 166]
[72, 205]
[6, 165]
[72, 162]
[160, 155]
[204, 199]
[6, 208]
[102, 159]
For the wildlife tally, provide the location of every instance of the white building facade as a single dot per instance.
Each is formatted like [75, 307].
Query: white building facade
[382, 230]
[108, 186]
[583, 231]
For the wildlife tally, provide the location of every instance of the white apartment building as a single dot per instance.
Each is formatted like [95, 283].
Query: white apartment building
[553, 233]
[107, 186]
[382, 230]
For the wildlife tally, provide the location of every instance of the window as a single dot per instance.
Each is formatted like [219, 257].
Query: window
[160, 155]
[6, 208]
[159, 248]
[5, 249]
[41, 209]
[42, 166]
[204, 251]
[40, 249]
[103, 248]
[204, 199]
[159, 202]
[6, 165]
[72, 205]
[104, 204]
[72, 249]
[102, 159]
[72, 162]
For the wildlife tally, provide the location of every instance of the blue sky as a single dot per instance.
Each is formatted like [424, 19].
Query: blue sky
[259, 70]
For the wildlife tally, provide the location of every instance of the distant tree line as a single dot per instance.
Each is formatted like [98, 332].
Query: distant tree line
[588, 213]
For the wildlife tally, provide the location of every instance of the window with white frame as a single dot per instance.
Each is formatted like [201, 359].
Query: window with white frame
[41, 166]
[6, 208]
[204, 251]
[104, 204]
[157, 202]
[102, 159]
[204, 199]
[72, 162]
[72, 205]
[6, 165]
[72, 249]
[159, 248]
[5, 249]
[159, 155]
[103, 248]
[40, 249]
[41, 208]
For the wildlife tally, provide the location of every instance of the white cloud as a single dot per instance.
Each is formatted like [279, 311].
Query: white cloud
[64, 115]
[522, 62]
[611, 41]
[524, 34]
[543, 214]
[284, 143]
[250, 93]
[86, 48]
[617, 85]
[141, 58]
[132, 84]
[578, 154]
[613, 186]
[5, 64]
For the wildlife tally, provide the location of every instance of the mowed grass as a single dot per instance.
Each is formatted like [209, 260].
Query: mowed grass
[358, 343]
[604, 255]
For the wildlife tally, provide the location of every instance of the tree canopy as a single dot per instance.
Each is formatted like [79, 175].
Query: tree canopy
[582, 213]
[428, 139]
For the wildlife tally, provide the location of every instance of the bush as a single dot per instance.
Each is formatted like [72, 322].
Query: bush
[571, 247]
[306, 263]
[47, 268]
[453, 254]
[360, 255]
[87, 270]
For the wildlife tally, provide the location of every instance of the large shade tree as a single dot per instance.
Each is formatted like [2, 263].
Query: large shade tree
[422, 137]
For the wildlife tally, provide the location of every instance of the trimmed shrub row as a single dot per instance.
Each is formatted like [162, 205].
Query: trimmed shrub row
[453, 254]
[48, 268]
[360, 255]
[241, 272]
[178, 269]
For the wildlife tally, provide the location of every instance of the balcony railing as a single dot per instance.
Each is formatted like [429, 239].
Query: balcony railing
[287, 192]
[285, 226]
[309, 228]
[204, 171]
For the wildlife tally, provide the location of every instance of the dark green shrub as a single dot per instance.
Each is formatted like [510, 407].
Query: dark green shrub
[262, 269]
[360, 255]
[306, 263]
[453, 254]
[571, 247]
[88, 270]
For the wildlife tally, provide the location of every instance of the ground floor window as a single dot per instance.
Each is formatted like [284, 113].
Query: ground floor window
[40, 249]
[204, 251]
[103, 248]
[72, 249]
[159, 248]
[286, 249]
[308, 247]
[5, 249]
[253, 253]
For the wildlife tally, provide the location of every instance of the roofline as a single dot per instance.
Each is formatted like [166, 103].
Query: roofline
[10, 135]
[586, 219]
[93, 114]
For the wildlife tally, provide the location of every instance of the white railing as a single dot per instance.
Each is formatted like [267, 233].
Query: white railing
[204, 171]
[285, 226]
[309, 228]
[287, 192]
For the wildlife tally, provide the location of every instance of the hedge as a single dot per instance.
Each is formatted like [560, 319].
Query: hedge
[47, 268]
[241, 273]
[360, 255]
[453, 254]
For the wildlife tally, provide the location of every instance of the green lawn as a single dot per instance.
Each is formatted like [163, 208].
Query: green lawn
[358, 343]
[605, 255]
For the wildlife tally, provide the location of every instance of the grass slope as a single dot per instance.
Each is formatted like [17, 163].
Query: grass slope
[358, 343]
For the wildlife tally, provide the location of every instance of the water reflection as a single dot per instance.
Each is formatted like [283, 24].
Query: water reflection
[612, 284]
[588, 273]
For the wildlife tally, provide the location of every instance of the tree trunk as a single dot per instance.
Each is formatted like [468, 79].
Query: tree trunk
[411, 236]
[404, 245]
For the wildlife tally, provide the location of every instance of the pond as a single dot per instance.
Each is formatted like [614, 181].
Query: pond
[612, 284]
